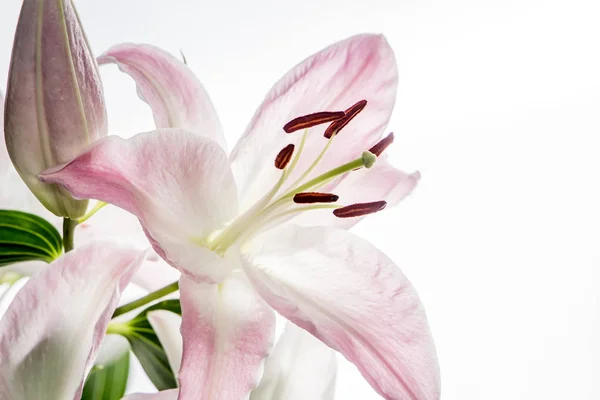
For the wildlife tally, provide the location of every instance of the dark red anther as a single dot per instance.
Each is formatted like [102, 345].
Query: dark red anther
[310, 120]
[359, 209]
[315, 197]
[349, 114]
[284, 156]
[382, 144]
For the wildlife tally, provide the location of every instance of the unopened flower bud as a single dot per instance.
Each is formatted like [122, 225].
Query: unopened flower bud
[54, 101]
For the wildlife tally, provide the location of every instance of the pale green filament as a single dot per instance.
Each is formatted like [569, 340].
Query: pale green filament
[292, 166]
[264, 222]
[315, 163]
[93, 211]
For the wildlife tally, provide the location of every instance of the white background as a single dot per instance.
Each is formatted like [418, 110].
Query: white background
[498, 107]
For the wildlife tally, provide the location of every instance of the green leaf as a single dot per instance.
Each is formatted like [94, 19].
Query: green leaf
[108, 378]
[147, 347]
[27, 237]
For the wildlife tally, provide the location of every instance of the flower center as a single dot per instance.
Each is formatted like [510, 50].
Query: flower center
[303, 195]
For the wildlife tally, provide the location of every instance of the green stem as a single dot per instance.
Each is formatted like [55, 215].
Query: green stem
[68, 233]
[173, 287]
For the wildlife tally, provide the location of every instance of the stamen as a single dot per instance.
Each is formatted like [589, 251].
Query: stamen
[310, 120]
[284, 156]
[382, 144]
[315, 197]
[349, 114]
[359, 209]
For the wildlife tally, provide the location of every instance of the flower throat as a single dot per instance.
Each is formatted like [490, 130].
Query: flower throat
[303, 196]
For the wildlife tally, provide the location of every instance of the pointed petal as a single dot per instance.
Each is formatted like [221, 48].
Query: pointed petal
[300, 368]
[361, 67]
[52, 331]
[380, 182]
[227, 333]
[353, 298]
[176, 96]
[178, 184]
[166, 324]
[164, 395]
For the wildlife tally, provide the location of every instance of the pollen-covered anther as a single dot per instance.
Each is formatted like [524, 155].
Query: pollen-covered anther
[359, 209]
[284, 156]
[315, 197]
[349, 114]
[310, 120]
[383, 144]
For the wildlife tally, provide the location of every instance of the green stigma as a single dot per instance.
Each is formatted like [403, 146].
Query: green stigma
[368, 159]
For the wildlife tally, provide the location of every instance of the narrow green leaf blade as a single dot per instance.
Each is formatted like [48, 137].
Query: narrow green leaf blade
[147, 347]
[27, 237]
[108, 378]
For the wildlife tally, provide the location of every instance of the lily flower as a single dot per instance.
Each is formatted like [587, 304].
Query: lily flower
[52, 330]
[260, 230]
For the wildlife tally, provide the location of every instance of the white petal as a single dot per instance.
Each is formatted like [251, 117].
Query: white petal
[300, 368]
[166, 324]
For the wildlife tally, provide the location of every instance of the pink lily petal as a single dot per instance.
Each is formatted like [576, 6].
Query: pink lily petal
[227, 333]
[353, 298]
[380, 182]
[52, 330]
[164, 395]
[361, 67]
[176, 96]
[166, 324]
[191, 194]
[300, 368]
